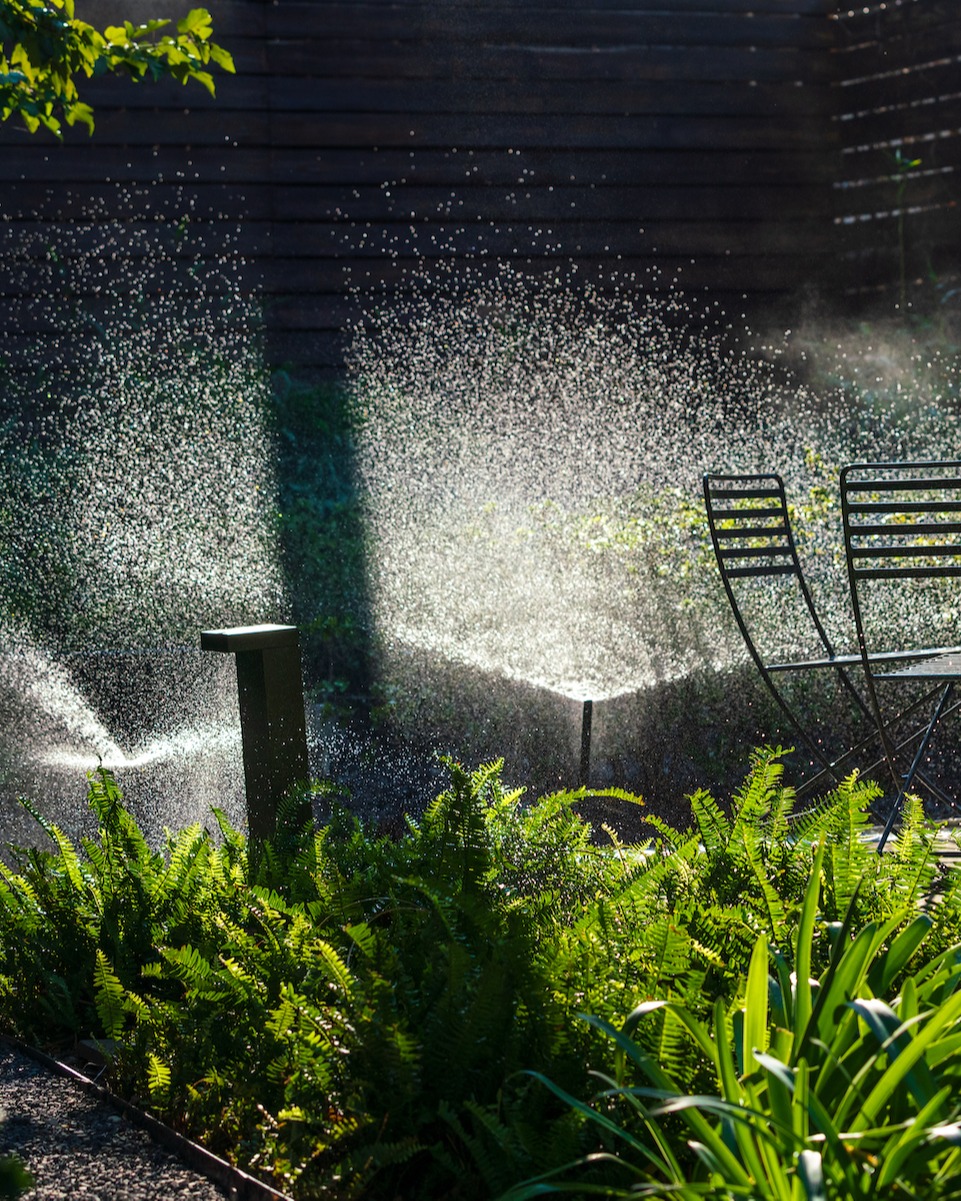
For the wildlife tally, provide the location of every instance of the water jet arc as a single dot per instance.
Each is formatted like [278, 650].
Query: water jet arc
[272, 721]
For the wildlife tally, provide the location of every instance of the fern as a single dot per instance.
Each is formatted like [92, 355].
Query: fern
[109, 997]
[158, 1077]
[712, 826]
[362, 1008]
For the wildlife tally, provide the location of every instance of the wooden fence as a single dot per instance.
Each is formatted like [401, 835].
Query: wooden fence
[898, 116]
[364, 143]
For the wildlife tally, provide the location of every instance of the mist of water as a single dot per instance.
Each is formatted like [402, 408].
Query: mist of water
[532, 455]
[138, 509]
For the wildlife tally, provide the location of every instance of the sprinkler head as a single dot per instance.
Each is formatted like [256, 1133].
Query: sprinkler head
[584, 772]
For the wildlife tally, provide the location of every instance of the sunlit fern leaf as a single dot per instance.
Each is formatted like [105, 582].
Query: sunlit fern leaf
[103, 795]
[669, 837]
[750, 844]
[187, 850]
[233, 851]
[783, 801]
[668, 950]
[68, 859]
[757, 796]
[96, 858]
[158, 1076]
[712, 826]
[40, 818]
[333, 967]
[188, 965]
[455, 827]
[283, 1016]
[914, 860]
[20, 897]
[117, 826]
[363, 938]
[847, 853]
[243, 980]
[667, 1040]
[108, 996]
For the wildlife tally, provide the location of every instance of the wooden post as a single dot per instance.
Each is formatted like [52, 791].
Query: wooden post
[272, 724]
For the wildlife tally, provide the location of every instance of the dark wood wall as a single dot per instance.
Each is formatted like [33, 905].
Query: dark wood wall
[898, 116]
[366, 142]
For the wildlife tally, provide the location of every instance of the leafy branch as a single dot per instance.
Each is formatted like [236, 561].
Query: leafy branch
[44, 48]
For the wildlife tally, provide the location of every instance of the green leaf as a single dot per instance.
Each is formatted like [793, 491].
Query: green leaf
[158, 1075]
[109, 996]
[196, 23]
[755, 1006]
[804, 943]
[810, 1170]
[222, 59]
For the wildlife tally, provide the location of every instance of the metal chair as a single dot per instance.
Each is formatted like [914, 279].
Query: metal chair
[751, 533]
[754, 545]
[902, 534]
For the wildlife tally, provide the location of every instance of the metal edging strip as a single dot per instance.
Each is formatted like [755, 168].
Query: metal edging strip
[239, 1184]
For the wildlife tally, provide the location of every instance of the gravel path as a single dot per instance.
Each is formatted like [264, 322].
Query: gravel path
[76, 1146]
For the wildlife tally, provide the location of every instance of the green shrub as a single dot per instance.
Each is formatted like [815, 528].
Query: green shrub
[358, 1014]
[818, 1088]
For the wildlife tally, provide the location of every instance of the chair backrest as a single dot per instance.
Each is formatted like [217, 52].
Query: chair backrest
[902, 522]
[751, 533]
[902, 526]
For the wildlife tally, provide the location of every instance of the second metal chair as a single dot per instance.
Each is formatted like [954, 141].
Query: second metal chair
[902, 539]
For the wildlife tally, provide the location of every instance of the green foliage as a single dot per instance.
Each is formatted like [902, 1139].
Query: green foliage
[14, 1178]
[44, 47]
[357, 1014]
[818, 1088]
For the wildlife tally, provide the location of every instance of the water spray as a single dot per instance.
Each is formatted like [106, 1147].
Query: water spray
[272, 723]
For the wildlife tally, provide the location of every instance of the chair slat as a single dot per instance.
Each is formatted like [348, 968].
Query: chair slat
[737, 573]
[909, 484]
[743, 493]
[754, 552]
[913, 551]
[743, 514]
[920, 529]
[906, 573]
[906, 506]
[753, 531]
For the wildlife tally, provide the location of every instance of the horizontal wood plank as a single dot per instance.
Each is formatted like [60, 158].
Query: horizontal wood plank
[743, 149]
[547, 26]
[527, 66]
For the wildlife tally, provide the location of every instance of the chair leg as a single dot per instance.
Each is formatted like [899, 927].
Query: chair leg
[912, 770]
[836, 768]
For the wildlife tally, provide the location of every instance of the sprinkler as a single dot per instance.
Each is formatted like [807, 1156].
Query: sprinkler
[272, 723]
[584, 771]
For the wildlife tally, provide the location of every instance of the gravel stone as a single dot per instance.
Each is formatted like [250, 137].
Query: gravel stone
[77, 1147]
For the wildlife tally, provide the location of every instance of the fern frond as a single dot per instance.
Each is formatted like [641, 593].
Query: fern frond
[188, 965]
[108, 996]
[43, 822]
[158, 1076]
[333, 967]
[187, 852]
[69, 860]
[914, 858]
[668, 948]
[712, 826]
